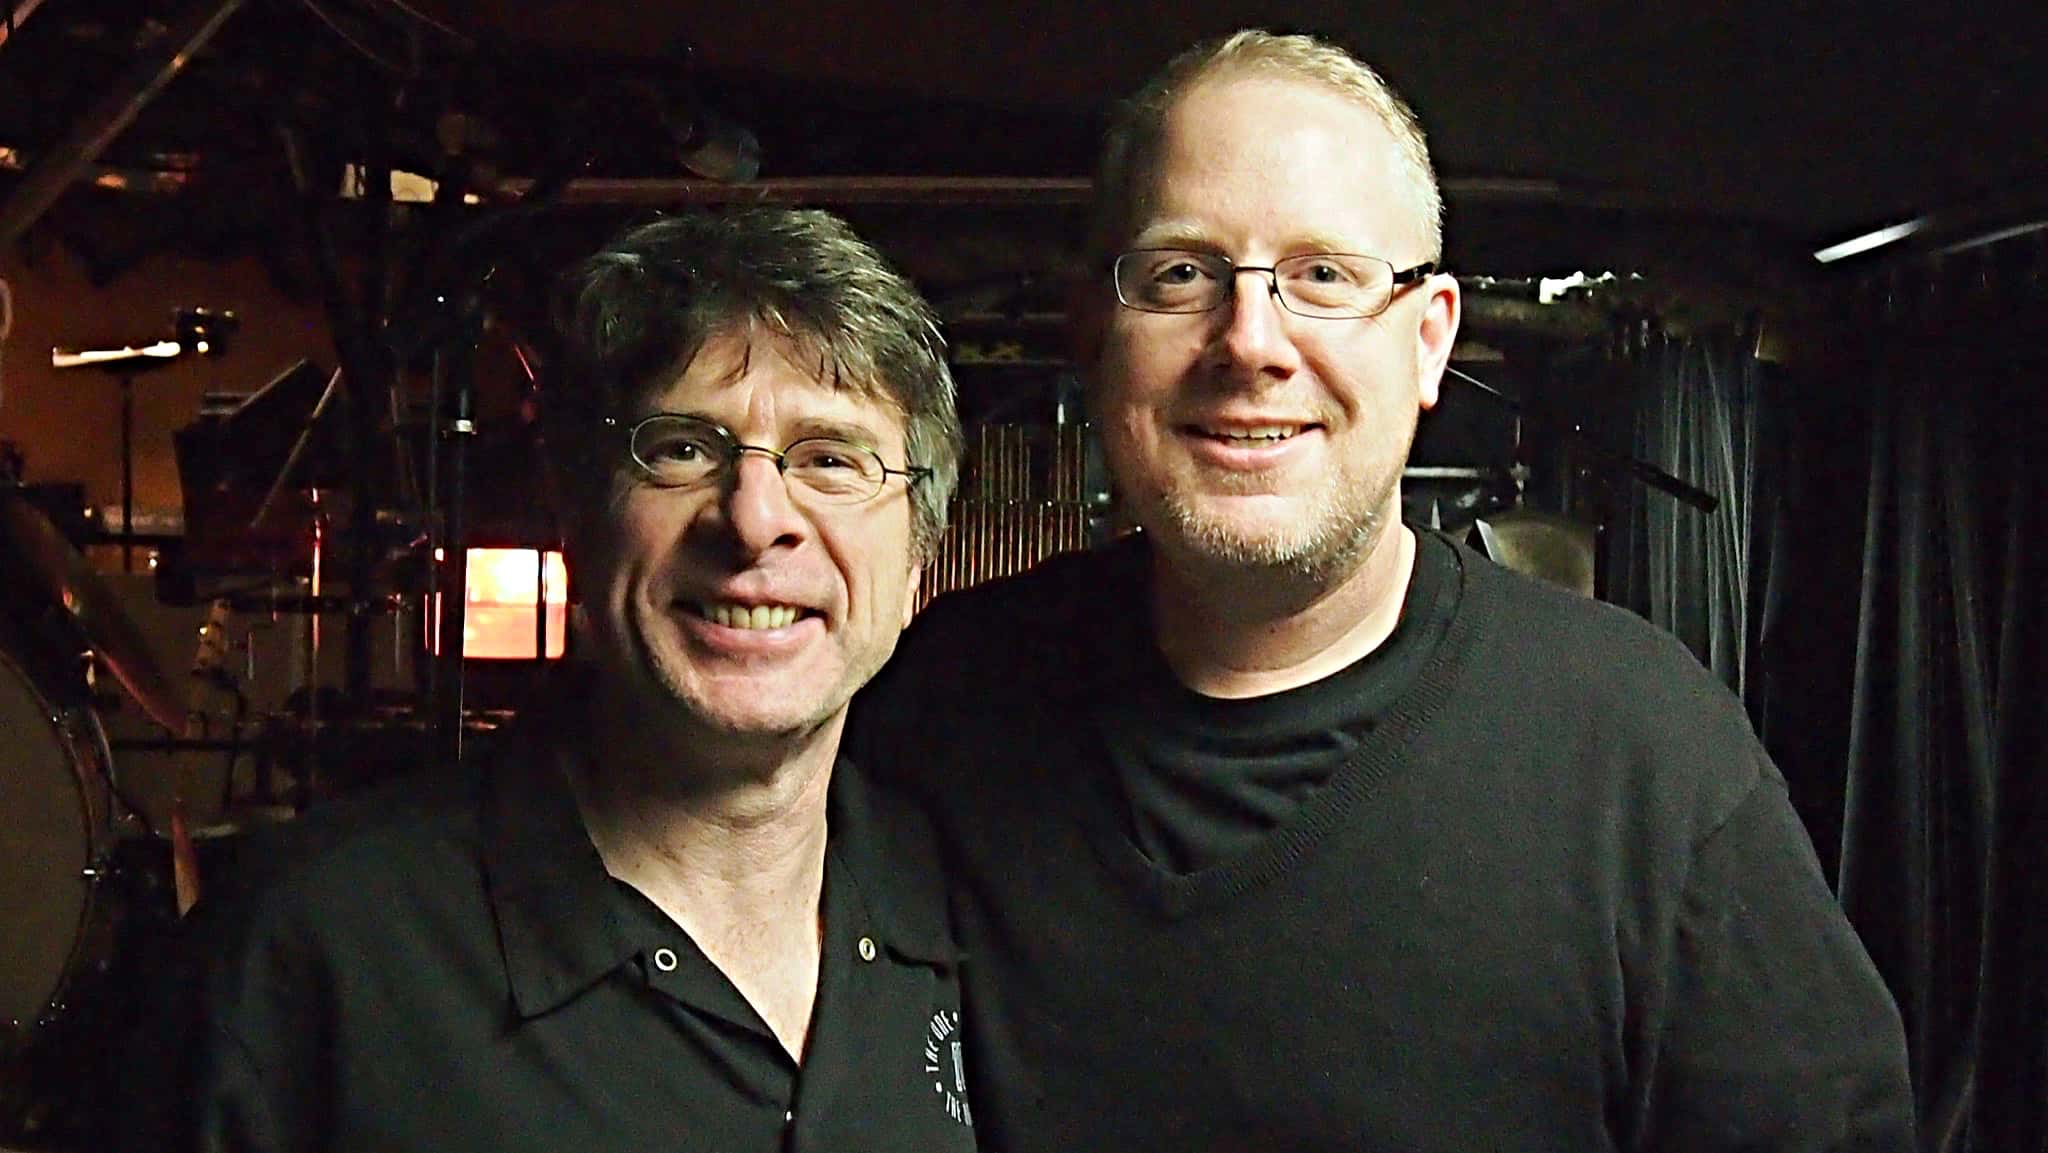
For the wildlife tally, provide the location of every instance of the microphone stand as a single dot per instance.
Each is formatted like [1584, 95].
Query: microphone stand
[1635, 467]
[123, 363]
[448, 317]
[198, 330]
[455, 392]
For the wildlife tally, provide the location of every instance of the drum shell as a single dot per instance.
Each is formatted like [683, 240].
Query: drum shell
[54, 803]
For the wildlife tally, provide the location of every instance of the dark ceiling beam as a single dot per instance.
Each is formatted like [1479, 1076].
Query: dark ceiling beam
[17, 15]
[909, 190]
[108, 118]
[927, 190]
[155, 181]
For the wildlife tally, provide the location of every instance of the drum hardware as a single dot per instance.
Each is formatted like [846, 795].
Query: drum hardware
[1610, 461]
[63, 575]
[241, 467]
[62, 1070]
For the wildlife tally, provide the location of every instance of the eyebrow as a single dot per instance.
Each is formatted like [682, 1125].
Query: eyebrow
[1193, 239]
[1173, 236]
[851, 431]
[804, 428]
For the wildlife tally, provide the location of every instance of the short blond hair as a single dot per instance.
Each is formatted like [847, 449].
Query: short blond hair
[1130, 147]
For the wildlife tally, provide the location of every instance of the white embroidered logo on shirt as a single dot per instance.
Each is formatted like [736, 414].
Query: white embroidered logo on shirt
[942, 1062]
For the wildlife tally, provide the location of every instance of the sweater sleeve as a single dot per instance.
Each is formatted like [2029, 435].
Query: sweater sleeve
[1780, 1035]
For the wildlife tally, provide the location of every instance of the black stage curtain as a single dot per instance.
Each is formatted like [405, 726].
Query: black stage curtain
[1944, 848]
[1705, 411]
[1875, 587]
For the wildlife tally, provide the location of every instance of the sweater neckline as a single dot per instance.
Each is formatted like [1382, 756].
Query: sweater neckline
[1099, 803]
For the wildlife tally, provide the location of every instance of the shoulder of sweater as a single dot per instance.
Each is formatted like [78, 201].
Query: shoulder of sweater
[1040, 604]
[1633, 688]
[1574, 632]
[966, 654]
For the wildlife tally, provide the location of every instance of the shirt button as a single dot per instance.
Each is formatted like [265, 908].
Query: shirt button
[665, 959]
[866, 948]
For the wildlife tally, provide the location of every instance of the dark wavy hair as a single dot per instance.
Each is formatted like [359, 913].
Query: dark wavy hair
[637, 311]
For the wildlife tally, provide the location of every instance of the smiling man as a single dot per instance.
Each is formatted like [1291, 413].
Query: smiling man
[1280, 825]
[664, 915]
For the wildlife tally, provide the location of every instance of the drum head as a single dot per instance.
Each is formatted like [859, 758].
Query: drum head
[46, 836]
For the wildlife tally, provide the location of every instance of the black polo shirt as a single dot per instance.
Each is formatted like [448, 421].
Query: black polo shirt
[449, 966]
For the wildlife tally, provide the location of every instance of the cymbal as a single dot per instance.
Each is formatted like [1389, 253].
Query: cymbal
[64, 574]
[1542, 544]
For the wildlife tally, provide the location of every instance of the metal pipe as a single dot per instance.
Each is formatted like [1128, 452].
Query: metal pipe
[127, 472]
[17, 15]
[540, 605]
[104, 121]
[455, 362]
[919, 190]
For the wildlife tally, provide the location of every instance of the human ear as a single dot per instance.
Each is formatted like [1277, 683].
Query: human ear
[1435, 334]
[910, 593]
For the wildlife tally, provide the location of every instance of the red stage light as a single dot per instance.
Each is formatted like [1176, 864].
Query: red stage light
[502, 593]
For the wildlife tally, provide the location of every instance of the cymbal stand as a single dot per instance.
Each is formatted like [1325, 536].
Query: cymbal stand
[127, 380]
[302, 788]
[455, 394]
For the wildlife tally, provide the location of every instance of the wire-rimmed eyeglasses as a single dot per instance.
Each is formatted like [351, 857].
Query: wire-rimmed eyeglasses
[1324, 285]
[671, 450]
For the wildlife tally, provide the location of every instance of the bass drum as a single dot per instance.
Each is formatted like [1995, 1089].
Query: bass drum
[53, 827]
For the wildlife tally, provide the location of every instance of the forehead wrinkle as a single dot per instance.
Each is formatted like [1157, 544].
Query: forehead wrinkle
[860, 415]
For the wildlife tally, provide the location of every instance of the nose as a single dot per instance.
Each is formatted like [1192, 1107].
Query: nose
[759, 514]
[1256, 338]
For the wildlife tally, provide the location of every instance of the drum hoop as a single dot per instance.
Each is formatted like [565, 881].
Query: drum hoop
[64, 724]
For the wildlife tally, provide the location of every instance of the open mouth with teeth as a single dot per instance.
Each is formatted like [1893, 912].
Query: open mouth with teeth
[738, 616]
[1254, 436]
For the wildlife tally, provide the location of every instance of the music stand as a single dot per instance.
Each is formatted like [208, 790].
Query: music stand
[198, 330]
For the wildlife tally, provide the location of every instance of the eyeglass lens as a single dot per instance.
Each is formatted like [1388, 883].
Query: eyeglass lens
[683, 452]
[1313, 284]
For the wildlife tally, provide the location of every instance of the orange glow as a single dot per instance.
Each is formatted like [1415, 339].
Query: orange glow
[501, 588]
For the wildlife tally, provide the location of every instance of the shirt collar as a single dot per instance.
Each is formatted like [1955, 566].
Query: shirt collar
[559, 927]
[892, 858]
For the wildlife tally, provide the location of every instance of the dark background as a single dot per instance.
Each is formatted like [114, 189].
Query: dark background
[1873, 582]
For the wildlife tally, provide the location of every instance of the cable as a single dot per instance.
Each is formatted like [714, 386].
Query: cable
[6, 320]
[105, 772]
[360, 47]
[234, 751]
[430, 22]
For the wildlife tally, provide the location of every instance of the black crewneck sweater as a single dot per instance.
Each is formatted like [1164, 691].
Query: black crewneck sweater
[1555, 899]
[1205, 778]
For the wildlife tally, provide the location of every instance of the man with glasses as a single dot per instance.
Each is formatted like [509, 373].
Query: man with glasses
[663, 915]
[1279, 825]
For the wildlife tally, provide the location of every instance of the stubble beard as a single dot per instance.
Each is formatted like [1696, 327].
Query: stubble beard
[1325, 541]
[1334, 528]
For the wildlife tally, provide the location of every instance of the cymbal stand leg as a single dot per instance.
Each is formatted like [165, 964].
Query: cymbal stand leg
[127, 472]
[453, 363]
